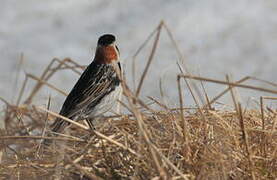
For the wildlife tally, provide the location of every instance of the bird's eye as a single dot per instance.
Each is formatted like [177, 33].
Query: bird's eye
[117, 49]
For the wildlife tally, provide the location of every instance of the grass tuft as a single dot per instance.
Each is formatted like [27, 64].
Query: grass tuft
[145, 143]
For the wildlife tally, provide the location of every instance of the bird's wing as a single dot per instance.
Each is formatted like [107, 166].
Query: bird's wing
[96, 82]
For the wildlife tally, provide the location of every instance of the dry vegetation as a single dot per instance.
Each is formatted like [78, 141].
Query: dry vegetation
[179, 143]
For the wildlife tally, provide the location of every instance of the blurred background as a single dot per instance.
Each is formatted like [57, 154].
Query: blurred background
[217, 37]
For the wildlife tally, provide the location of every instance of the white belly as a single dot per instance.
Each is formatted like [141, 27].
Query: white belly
[107, 103]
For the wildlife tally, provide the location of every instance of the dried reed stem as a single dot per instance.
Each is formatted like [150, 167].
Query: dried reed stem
[150, 59]
[47, 84]
[245, 140]
[232, 84]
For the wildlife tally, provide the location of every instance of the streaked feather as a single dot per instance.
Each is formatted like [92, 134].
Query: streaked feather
[97, 81]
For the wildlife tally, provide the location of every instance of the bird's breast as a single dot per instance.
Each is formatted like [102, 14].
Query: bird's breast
[106, 55]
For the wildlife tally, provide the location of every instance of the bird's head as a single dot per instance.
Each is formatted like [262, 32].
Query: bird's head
[107, 51]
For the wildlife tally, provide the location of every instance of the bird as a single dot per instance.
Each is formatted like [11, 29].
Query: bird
[97, 89]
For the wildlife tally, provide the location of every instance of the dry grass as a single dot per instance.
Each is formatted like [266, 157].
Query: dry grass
[176, 143]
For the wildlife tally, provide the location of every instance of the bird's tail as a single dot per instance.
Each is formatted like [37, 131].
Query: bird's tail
[57, 127]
